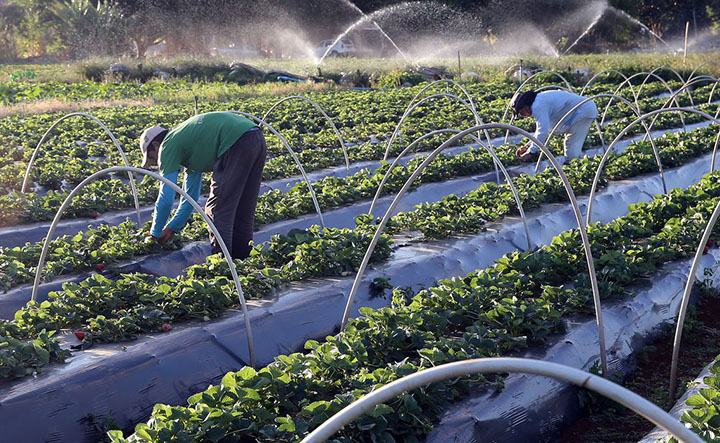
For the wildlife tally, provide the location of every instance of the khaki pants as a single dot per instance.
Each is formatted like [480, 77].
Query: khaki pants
[234, 192]
[576, 137]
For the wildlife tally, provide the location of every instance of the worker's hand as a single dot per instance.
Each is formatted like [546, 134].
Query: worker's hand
[166, 235]
[522, 150]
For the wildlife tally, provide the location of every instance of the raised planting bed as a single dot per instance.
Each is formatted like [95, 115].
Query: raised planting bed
[311, 310]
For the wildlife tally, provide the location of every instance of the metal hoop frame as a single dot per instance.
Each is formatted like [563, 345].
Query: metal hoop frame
[625, 131]
[673, 96]
[489, 149]
[685, 301]
[295, 158]
[324, 114]
[411, 108]
[668, 68]
[568, 189]
[635, 110]
[603, 72]
[637, 103]
[186, 196]
[449, 371]
[45, 136]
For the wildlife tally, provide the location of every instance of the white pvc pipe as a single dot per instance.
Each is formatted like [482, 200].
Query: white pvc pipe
[176, 188]
[449, 371]
[45, 136]
[622, 134]
[324, 114]
[573, 202]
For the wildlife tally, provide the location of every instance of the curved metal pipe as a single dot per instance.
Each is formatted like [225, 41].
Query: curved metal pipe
[45, 136]
[411, 108]
[635, 110]
[295, 158]
[605, 71]
[324, 114]
[666, 67]
[717, 142]
[457, 369]
[705, 63]
[673, 98]
[637, 103]
[176, 188]
[490, 150]
[568, 189]
[685, 301]
[622, 134]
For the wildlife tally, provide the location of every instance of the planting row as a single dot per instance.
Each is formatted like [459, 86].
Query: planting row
[19, 208]
[106, 245]
[54, 171]
[300, 255]
[520, 301]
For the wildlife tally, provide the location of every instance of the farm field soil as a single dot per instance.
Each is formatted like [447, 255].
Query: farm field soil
[610, 422]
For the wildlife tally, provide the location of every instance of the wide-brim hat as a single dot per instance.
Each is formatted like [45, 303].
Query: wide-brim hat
[146, 138]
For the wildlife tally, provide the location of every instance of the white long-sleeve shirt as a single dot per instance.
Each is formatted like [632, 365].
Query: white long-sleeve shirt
[550, 106]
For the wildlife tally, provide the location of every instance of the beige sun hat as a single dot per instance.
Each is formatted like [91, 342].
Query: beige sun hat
[146, 138]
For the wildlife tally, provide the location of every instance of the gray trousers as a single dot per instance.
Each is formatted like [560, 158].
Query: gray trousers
[234, 192]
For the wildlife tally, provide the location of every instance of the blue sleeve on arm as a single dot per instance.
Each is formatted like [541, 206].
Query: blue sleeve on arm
[192, 185]
[163, 205]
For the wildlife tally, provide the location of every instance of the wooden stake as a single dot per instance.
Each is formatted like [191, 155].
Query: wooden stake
[687, 29]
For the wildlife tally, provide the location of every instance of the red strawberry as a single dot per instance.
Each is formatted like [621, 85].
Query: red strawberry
[100, 267]
[94, 215]
[79, 335]
[166, 327]
[705, 251]
[709, 243]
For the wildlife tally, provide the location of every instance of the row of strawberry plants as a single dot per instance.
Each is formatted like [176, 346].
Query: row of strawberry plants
[309, 255]
[106, 245]
[492, 312]
[73, 160]
[18, 208]
[703, 417]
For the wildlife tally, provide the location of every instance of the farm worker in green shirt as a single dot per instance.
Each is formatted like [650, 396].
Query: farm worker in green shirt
[226, 144]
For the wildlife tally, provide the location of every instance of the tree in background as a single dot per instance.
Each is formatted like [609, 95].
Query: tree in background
[89, 29]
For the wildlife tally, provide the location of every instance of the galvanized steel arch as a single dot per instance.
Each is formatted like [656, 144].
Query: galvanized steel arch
[411, 108]
[573, 202]
[324, 114]
[685, 301]
[603, 72]
[186, 196]
[45, 136]
[457, 369]
[625, 131]
[489, 149]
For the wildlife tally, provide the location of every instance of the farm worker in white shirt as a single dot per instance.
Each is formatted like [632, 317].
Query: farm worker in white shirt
[547, 108]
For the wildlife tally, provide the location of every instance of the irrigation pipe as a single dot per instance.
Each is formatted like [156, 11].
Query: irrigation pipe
[449, 371]
[324, 114]
[45, 136]
[186, 196]
[568, 189]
